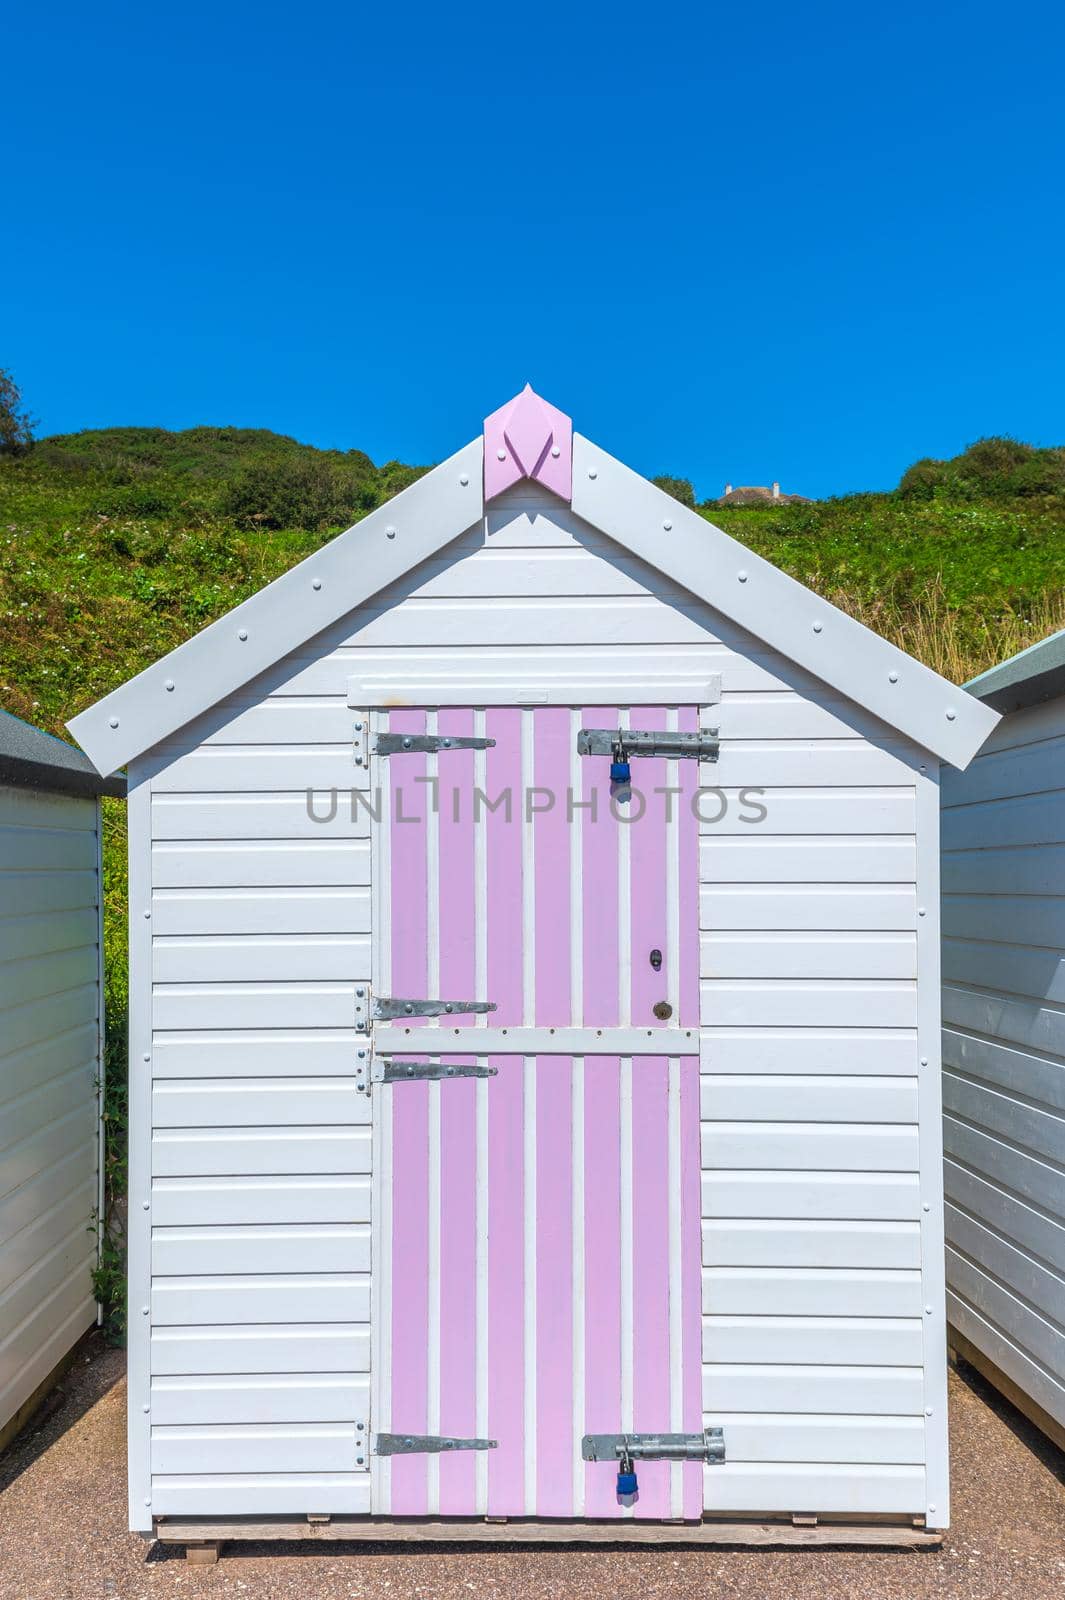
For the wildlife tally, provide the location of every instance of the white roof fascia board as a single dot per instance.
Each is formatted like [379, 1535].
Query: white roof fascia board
[289, 611]
[777, 608]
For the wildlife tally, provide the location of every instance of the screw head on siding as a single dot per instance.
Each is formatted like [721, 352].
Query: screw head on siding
[921, 912]
[147, 913]
[390, 533]
[928, 1311]
[144, 1311]
[667, 525]
[243, 634]
[112, 722]
[924, 1061]
[146, 1408]
[928, 1411]
[950, 716]
[555, 451]
[464, 479]
[146, 1058]
[926, 1206]
[316, 583]
[146, 1205]
[742, 576]
[817, 627]
[592, 473]
[893, 677]
[501, 455]
[169, 686]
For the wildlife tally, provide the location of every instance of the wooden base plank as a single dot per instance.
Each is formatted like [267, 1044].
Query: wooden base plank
[369, 1530]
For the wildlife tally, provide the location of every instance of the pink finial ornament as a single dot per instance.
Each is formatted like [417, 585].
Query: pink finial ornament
[527, 438]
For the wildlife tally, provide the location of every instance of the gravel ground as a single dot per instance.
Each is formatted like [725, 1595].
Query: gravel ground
[63, 1533]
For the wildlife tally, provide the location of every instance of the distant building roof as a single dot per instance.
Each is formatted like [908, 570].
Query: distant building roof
[1035, 674]
[753, 494]
[33, 759]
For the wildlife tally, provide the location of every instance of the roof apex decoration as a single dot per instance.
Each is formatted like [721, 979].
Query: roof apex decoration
[528, 438]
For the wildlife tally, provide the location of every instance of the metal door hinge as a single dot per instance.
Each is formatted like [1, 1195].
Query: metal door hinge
[701, 746]
[707, 1446]
[387, 1070]
[404, 1444]
[387, 1008]
[399, 744]
[359, 740]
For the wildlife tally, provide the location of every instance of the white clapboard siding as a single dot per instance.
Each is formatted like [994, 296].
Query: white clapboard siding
[254, 1005]
[272, 1297]
[26, 1069]
[859, 907]
[978, 1197]
[24, 1207]
[277, 1347]
[48, 849]
[1003, 1066]
[782, 1436]
[1004, 774]
[807, 955]
[52, 1269]
[1032, 971]
[755, 812]
[811, 1003]
[1020, 1021]
[285, 1397]
[261, 769]
[261, 911]
[810, 1292]
[217, 1152]
[1030, 919]
[1045, 1389]
[265, 1494]
[1029, 1177]
[791, 1146]
[1035, 819]
[760, 857]
[259, 1248]
[815, 1487]
[41, 933]
[768, 1098]
[859, 1195]
[831, 1390]
[766, 1243]
[264, 1447]
[791, 763]
[40, 977]
[234, 1053]
[46, 1145]
[883, 1052]
[42, 1106]
[1012, 1267]
[257, 1102]
[841, 1343]
[36, 1021]
[1034, 1328]
[258, 958]
[301, 864]
[225, 1201]
[1029, 869]
[50, 1229]
[1036, 1128]
[231, 817]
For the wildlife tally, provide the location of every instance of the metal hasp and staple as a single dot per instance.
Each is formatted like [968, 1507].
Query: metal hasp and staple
[701, 746]
[398, 744]
[708, 1446]
[385, 1070]
[409, 1444]
[387, 1008]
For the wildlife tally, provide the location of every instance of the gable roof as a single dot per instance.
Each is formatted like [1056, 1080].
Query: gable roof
[1030, 676]
[33, 759]
[536, 439]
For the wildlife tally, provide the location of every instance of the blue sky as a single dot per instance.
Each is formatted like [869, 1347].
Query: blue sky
[764, 241]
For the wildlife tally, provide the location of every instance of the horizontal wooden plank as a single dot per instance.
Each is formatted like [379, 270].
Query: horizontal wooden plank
[860, 1196]
[222, 1053]
[810, 1292]
[260, 863]
[266, 1397]
[190, 1202]
[816, 1487]
[257, 1102]
[31, 893]
[1029, 819]
[39, 1107]
[35, 1348]
[27, 1070]
[765, 1097]
[494, 621]
[1029, 1178]
[1005, 1067]
[68, 1262]
[233, 1152]
[1030, 725]
[263, 1494]
[241, 816]
[813, 1342]
[1028, 869]
[1030, 1376]
[63, 1210]
[48, 849]
[781, 1436]
[872, 907]
[795, 763]
[46, 1146]
[761, 858]
[272, 1297]
[73, 1170]
[1039, 1336]
[43, 932]
[995, 774]
[798, 1146]
[810, 1003]
[1030, 919]
[1028, 1228]
[258, 958]
[807, 955]
[263, 1447]
[837, 1391]
[1030, 971]
[292, 1348]
[1014, 1269]
[271, 911]
[883, 1052]
[182, 1006]
[257, 769]
[1018, 1021]
[36, 809]
[997, 1111]
[291, 719]
[261, 1247]
[834, 815]
[33, 1021]
[38, 977]
[758, 1242]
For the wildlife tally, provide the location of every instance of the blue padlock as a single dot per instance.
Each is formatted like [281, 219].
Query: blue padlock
[620, 772]
[628, 1489]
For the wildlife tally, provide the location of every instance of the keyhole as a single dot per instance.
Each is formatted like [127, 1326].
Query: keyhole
[656, 960]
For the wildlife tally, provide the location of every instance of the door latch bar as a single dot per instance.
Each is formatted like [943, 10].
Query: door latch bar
[400, 744]
[389, 1008]
[388, 1070]
[707, 1446]
[701, 746]
[408, 1444]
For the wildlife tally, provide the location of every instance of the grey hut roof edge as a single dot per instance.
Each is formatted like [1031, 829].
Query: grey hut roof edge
[33, 759]
[1025, 679]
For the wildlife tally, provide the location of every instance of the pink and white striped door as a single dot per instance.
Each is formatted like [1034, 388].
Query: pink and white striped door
[539, 1239]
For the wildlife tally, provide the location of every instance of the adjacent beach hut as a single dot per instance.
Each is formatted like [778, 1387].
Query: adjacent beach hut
[51, 1032]
[1004, 1038]
[517, 1134]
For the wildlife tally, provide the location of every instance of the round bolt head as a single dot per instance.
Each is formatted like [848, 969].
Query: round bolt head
[667, 525]
[112, 722]
[243, 634]
[893, 677]
[950, 716]
[501, 455]
[316, 583]
[592, 473]
[555, 451]
[817, 627]
[742, 576]
[390, 533]
[464, 479]
[169, 685]
[145, 1205]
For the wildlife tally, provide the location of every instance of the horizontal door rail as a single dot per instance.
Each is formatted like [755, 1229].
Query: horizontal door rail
[523, 1041]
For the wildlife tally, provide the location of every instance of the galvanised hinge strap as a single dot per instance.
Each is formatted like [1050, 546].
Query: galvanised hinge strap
[387, 1008]
[387, 1070]
[408, 1444]
[400, 744]
[708, 1446]
[702, 746]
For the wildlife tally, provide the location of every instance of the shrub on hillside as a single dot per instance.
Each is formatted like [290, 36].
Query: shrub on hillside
[680, 488]
[311, 493]
[997, 467]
